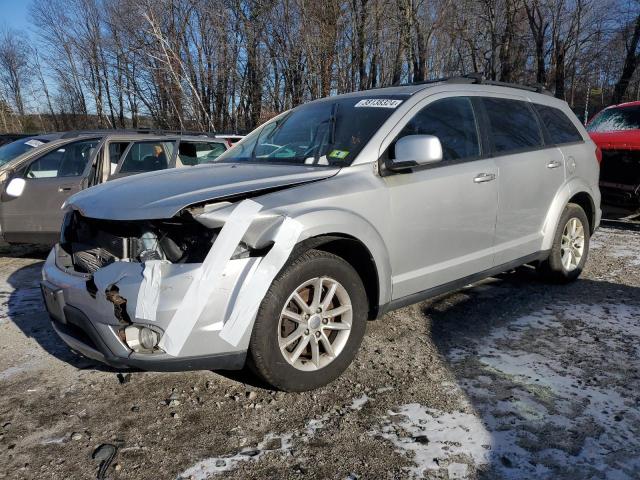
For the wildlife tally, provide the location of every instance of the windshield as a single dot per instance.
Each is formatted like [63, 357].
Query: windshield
[321, 134]
[14, 149]
[613, 119]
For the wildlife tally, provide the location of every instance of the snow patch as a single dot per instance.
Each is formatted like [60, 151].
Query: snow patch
[215, 465]
[434, 437]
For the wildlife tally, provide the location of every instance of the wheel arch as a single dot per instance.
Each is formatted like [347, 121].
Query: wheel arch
[356, 253]
[576, 192]
[355, 239]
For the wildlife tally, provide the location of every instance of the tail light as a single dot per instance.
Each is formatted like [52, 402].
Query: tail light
[598, 154]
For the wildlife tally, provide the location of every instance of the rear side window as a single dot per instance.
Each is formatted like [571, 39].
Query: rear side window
[67, 161]
[147, 157]
[453, 122]
[559, 128]
[195, 153]
[513, 126]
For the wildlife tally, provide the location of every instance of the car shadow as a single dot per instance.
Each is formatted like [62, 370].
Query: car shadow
[527, 357]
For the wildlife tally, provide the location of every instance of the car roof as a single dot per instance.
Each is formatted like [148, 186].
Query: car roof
[625, 105]
[465, 83]
[128, 135]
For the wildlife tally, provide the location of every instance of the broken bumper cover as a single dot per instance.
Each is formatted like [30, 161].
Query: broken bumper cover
[88, 322]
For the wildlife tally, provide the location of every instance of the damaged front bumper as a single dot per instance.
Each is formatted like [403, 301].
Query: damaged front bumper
[91, 311]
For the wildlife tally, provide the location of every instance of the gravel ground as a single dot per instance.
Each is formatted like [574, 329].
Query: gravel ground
[509, 378]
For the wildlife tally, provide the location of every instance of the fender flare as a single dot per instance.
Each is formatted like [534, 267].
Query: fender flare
[566, 192]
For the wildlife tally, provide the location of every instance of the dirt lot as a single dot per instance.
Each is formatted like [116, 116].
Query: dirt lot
[510, 378]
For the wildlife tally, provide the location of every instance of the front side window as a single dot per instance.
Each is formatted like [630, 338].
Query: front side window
[559, 127]
[513, 126]
[147, 157]
[614, 119]
[325, 133]
[195, 153]
[453, 122]
[67, 161]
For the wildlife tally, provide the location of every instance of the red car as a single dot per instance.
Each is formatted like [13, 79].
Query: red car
[616, 131]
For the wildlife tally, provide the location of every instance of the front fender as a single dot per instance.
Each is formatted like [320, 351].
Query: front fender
[331, 221]
[571, 188]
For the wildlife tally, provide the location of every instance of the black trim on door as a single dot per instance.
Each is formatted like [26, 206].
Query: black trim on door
[458, 284]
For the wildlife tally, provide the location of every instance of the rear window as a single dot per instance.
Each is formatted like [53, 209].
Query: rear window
[514, 127]
[14, 149]
[559, 127]
[195, 153]
[613, 119]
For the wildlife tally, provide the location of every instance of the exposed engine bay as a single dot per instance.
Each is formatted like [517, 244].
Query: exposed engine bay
[91, 244]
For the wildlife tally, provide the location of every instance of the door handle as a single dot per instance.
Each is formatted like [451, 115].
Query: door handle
[554, 164]
[64, 189]
[484, 177]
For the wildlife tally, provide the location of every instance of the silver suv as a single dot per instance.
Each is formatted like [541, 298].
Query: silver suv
[330, 214]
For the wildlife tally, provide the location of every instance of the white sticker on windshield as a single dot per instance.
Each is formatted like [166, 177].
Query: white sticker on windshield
[379, 103]
[33, 143]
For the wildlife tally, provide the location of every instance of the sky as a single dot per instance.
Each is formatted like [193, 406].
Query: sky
[15, 14]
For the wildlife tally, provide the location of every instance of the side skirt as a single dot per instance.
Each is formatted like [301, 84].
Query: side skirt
[458, 284]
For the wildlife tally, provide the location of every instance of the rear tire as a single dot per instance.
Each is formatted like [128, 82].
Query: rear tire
[295, 347]
[570, 247]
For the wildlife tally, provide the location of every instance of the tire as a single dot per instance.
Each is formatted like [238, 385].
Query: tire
[266, 355]
[556, 270]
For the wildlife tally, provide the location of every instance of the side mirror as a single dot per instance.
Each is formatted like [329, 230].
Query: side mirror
[415, 150]
[16, 187]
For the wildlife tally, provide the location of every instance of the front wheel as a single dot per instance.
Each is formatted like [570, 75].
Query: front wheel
[310, 323]
[570, 246]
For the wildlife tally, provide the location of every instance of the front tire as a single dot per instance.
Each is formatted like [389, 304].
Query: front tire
[570, 247]
[310, 324]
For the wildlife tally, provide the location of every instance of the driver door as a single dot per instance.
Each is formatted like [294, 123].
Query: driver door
[35, 216]
[443, 216]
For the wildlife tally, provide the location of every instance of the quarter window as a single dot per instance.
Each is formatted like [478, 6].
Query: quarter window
[559, 127]
[67, 161]
[453, 122]
[147, 157]
[513, 126]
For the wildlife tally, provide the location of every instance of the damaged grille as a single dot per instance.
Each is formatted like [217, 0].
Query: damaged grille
[92, 244]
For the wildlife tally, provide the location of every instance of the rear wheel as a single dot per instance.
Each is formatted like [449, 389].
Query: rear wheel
[570, 246]
[310, 324]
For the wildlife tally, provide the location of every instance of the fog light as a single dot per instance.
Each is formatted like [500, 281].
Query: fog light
[141, 339]
[148, 338]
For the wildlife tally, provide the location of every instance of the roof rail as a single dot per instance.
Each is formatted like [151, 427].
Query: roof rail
[478, 79]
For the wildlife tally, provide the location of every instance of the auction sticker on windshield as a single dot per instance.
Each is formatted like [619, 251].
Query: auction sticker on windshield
[378, 103]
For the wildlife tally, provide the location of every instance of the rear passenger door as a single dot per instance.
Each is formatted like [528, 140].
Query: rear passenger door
[443, 216]
[529, 172]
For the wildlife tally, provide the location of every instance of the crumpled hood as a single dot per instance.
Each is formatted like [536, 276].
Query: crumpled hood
[164, 193]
